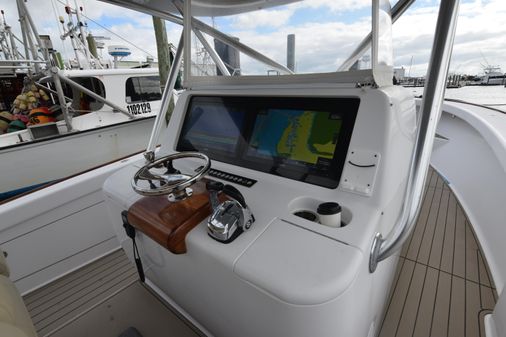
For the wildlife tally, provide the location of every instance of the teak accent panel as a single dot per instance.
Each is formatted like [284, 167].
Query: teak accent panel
[168, 222]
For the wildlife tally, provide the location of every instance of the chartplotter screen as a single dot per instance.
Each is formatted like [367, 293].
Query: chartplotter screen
[305, 139]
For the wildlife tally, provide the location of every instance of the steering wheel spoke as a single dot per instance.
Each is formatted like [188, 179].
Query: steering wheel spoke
[147, 175]
[172, 182]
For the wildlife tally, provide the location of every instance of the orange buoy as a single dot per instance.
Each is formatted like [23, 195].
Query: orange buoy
[41, 115]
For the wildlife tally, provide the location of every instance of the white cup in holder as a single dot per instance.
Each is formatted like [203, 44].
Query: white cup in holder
[329, 214]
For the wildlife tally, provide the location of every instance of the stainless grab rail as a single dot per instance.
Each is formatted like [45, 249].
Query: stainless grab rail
[430, 112]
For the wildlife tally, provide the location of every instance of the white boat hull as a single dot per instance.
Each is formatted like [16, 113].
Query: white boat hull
[35, 163]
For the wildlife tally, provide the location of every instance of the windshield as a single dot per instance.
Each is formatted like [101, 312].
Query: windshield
[323, 34]
[306, 37]
[318, 36]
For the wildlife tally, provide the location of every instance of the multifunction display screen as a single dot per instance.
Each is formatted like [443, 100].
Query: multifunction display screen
[298, 135]
[299, 138]
[211, 126]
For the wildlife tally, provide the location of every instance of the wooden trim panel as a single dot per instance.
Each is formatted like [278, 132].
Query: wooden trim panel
[168, 223]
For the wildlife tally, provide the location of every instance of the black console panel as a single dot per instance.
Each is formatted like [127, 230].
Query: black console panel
[301, 138]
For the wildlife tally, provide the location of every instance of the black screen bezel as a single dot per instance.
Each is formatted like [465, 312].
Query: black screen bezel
[346, 107]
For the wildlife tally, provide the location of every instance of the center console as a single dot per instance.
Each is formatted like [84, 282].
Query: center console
[320, 170]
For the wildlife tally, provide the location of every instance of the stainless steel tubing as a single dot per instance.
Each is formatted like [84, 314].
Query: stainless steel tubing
[197, 24]
[214, 55]
[43, 87]
[15, 67]
[399, 8]
[430, 111]
[92, 94]
[239, 46]
[61, 98]
[166, 96]
[21, 61]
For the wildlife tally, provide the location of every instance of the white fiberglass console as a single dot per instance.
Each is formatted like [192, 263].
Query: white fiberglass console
[287, 150]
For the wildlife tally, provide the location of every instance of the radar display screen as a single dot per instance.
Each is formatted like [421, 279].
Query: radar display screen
[305, 139]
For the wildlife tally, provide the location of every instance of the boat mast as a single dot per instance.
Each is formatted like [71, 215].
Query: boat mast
[82, 35]
[76, 31]
[70, 33]
[7, 40]
[27, 40]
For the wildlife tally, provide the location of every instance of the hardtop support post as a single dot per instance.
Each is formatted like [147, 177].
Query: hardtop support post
[399, 8]
[430, 112]
[166, 97]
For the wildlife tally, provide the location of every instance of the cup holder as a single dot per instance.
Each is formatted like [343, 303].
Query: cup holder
[308, 215]
[307, 208]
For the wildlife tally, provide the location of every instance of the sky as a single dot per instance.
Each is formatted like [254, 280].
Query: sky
[326, 31]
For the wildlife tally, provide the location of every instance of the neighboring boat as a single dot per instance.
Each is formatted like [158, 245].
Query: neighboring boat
[278, 206]
[493, 76]
[99, 133]
[111, 124]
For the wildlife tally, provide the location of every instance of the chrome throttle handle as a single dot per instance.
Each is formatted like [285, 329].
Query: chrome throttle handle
[230, 218]
[214, 187]
[248, 217]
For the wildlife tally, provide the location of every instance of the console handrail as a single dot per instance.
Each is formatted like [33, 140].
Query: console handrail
[430, 111]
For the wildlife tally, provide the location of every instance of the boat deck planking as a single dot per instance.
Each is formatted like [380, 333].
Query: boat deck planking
[442, 285]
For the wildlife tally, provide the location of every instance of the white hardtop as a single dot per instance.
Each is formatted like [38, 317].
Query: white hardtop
[201, 7]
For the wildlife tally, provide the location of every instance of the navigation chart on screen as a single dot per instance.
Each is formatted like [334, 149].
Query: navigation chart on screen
[305, 136]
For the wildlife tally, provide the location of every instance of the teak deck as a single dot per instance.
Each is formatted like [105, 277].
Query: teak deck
[442, 286]
[54, 305]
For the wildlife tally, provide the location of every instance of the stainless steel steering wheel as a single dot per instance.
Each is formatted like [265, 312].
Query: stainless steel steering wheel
[171, 182]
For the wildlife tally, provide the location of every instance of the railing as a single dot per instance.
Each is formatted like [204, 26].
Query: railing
[430, 110]
[399, 8]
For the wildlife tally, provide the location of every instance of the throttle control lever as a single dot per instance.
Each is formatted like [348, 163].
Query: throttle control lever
[229, 218]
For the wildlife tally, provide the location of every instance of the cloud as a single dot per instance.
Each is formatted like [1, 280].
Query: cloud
[480, 31]
[267, 18]
[314, 53]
